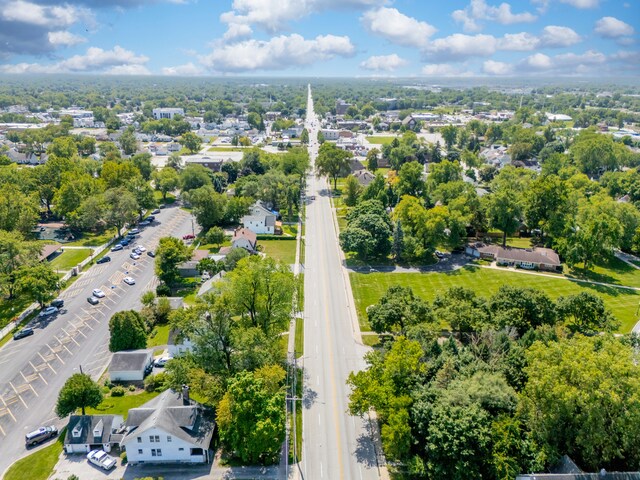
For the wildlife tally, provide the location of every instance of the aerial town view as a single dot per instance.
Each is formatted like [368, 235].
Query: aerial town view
[320, 240]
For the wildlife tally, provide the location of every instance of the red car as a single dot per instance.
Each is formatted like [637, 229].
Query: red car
[188, 236]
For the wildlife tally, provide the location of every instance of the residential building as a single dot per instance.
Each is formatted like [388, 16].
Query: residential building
[330, 134]
[160, 113]
[260, 219]
[530, 258]
[168, 429]
[91, 432]
[409, 122]
[129, 366]
[341, 107]
[244, 238]
[178, 344]
[364, 177]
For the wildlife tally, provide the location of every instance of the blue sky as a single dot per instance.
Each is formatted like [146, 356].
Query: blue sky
[422, 38]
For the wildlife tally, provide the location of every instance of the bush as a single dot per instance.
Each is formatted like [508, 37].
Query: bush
[123, 458]
[132, 388]
[73, 477]
[117, 391]
[108, 384]
[156, 383]
[163, 290]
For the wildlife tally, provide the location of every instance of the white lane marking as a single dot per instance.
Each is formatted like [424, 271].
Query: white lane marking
[319, 420]
[321, 474]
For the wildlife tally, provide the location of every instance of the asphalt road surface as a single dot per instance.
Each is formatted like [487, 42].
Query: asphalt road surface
[33, 369]
[336, 446]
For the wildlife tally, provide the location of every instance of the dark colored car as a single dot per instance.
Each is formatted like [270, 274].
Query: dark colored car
[150, 218]
[125, 242]
[151, 253]
[162, 205]
[188, 236]
[104, 259]
[58, 303]
[156, 211]
[93, 300]
[25, 332]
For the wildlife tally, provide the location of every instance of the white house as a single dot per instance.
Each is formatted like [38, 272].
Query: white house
[168, 429]
[330, 134]
[244, 238]
[178, 344]
[129, 366]
[90, 432]
[159, 113]
[260, 220]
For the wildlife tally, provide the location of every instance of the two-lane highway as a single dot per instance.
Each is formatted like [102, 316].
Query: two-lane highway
[337, 446]
[33, 369]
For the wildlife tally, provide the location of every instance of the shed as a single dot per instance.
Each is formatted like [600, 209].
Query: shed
[129, 366]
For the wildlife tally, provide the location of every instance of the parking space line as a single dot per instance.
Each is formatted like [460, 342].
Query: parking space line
[70, 337]
[2, 430]
[55, 353]
[39, 369]
[17, 395]
[28, 382]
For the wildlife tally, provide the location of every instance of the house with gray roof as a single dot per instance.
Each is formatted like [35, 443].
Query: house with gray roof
[129, 366]
[260, 219]
[171, 428]
[527, 258]
[91, 432]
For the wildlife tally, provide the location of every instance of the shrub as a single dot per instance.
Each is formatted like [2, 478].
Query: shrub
[132, 388]
[163, 290]
[123, 458]
[108, 384]
[73, 477]
[117, 391]
[156, 383]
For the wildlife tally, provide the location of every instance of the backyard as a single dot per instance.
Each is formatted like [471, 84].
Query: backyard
[369, 287]
[284, 250]
[379, 140]
[121, 405]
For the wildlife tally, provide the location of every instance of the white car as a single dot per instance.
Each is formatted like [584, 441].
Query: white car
[48, 311]
[141, 248]
[98, 293]
[135, 256]
[162, 361]
[129, 281]
[101, 459]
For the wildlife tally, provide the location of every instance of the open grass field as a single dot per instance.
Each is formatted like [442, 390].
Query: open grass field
[39, 465]
[226, 149]
[90, 239]
[12, 308]
[368, 288]
[120, 405]
[159, 336]
[284, 250]
[380, 140]
[613, 271]
[69, 258]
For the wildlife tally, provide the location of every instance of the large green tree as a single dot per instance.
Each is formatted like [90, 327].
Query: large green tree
[166, 180]
[191, 141]
[170, 253]
[15, 254]
[333, 162]
[128, 331]
[79, 391]
[39, 282]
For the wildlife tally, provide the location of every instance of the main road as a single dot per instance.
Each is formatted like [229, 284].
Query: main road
[33, 369]
[336, 445]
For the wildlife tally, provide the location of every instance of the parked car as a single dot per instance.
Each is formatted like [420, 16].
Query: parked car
[162, 361]
[137, 251]
[134, 231]
[117, 247]
[188, 236]
[47, 312]
[144, 223]
[40, 435]
[129, 281]
[150, 218]
[98, 293]
[162, 205]
[25, 332]
[93, 300]
[101, 459]
[151, 253]
[134, 255]
[58, 303]
[156, 211]
[141, 248]
[104, 259]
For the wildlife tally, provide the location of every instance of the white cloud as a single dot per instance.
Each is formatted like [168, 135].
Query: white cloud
[387, 63]
[274, 15]
[236, 31]
[610, 27]
[116, 61]
[472, 16]
[491, 67]
[590, 62]
[398, 28]
[518, 42]
[63, 38]
[444, 70]
[58, 16]
[186, 70]
[544, 4]
[277, 53]
[558, 36]
[460, 45]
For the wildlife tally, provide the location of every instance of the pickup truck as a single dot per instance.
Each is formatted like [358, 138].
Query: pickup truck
[101, 459]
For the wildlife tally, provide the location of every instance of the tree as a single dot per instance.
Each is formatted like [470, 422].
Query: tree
[79, 391]
[460, 308]
[449, 134]
[251, 417]
[352, 188]
[503, 211]
[304, 136]
[166, 180]
[128, 331]
[215, 236]
[261, 291]
[372, 159]
[410, 181]
[15, 254]
[194, 176]
[121, 208]
[170, 253]
[209, 206]
[521, 308]
[333, 162]
[233, 257]
[321, 139]
[39, 282]
[586, 313]
[191, 142]
[128, 142]
[357, 240]
[398, 309]
[591, 387]
[546, 205]
[18, 211]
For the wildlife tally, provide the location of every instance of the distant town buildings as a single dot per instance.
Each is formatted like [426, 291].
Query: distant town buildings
[160, 113]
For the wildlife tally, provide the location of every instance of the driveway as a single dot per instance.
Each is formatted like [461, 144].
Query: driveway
[78, 465]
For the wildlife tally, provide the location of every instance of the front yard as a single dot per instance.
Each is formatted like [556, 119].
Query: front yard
[283, 250]
[69, 258]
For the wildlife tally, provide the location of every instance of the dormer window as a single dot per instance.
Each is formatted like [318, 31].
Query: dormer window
[77, 431]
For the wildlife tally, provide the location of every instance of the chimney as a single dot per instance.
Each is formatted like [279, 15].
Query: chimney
[185, 395]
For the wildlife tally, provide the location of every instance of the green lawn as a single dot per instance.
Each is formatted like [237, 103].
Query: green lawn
[39, 465]
[371, 340]
[91, 239]
[284, 250]
[69, 258]
[226, 149]
[159, 336]
[299, 342]
[12, 308]
[368, 288]
[291, 230]
[380, 140]
[613, 271]
[120, 405]
[157, 194]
